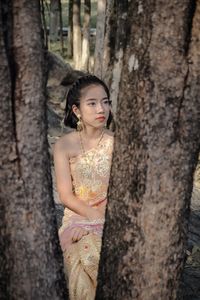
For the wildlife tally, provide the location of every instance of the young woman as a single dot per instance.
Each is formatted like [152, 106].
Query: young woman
[82, 160]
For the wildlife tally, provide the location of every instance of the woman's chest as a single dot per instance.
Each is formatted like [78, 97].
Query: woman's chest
[92, 165]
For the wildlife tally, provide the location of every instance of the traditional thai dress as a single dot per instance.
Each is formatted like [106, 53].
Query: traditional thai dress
[90, 173]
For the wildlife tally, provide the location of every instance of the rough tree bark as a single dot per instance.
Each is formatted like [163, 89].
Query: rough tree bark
[156, 150]
[70, 30]
[109, 40]
[120, 43]
[30, 260]
[61, 27]
[86, 35]
[44, 25]
[77, 37]
[100, 28]
[114, 45]
[54, 20]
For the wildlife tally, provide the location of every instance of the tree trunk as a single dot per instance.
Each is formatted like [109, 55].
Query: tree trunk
[117, 63]
[86, 36]
[70, 30]
[109, 40]
[61, 27]
[156, 151]
[54, 20]
[113, 47]
[98, 56]
[77, 34]
[44, 25]
[31, 262]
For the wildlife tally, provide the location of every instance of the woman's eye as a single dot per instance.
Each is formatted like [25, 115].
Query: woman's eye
[106, 102]
[91, 103]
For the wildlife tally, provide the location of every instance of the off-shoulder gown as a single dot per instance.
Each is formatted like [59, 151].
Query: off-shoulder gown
[90, 173]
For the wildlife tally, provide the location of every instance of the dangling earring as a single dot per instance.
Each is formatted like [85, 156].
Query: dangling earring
[79, 123]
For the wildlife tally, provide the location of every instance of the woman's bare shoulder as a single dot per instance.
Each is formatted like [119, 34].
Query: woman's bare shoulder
[67, 143]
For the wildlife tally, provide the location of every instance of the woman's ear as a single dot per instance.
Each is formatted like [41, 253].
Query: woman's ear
[75, 110]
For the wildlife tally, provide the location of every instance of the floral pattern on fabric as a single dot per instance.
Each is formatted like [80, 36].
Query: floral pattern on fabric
[90, 174]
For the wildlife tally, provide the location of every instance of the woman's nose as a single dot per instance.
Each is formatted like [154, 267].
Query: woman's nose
[100, 107]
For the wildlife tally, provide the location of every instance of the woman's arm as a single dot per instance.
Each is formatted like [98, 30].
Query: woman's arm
[64, 185]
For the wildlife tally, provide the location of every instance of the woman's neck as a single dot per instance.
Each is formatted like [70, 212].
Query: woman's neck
[91, 133]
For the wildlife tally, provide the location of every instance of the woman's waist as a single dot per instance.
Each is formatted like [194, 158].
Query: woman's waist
[87, 194]
[94, 202]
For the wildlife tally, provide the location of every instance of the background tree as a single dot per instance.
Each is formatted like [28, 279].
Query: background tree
[109, 51]
[109, 40]
[100, 28]
[156, 149]
[54, 20]
[44, 25]
[116, 63]
[70, 30]
[77, 36]
[115, 39]
[86, 35]
[61, 27]
[31, 264]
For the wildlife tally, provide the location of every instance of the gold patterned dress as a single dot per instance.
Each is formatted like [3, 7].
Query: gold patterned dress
[90, 173]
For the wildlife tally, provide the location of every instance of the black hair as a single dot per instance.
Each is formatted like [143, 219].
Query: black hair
[73, 98]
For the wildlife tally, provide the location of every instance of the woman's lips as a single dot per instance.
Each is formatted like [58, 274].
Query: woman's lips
[101, 119]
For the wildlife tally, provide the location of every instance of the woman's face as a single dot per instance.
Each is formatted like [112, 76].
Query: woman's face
[94, 106]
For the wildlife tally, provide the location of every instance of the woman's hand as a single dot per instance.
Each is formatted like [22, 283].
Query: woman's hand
[98, 209]
[96, 214]
[98, 202]
[77, 233]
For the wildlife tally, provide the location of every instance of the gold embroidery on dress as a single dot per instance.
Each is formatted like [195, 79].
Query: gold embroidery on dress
[90, 172]
[90, 176]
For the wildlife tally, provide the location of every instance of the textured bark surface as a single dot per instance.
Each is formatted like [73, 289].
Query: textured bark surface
[44, 23]
[156, 150]
[86, 35]
[77, 37]
[61, 27]
[113, 46]
[100, 28]
[54, 20]
[109, 40]
[120, 43]
[70, 30]
[30, 260]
